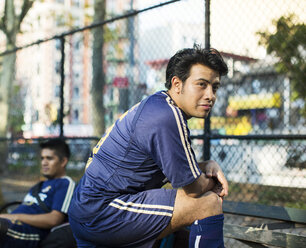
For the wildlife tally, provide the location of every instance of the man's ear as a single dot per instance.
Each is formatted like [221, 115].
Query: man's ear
[64, 161]
[177, 84]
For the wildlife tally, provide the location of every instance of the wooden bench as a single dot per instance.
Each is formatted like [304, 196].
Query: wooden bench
[272, 220]
[258, 226]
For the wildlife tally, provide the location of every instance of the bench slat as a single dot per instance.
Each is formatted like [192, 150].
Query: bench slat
[263, 236]
[263, 211]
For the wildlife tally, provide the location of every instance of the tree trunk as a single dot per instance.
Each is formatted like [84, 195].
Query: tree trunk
[6, 84]
[98, 78]
[10, 25]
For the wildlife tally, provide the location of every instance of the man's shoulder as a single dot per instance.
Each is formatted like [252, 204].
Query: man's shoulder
[159, 95]
[161, 108]
[64, 180]
[158, 102]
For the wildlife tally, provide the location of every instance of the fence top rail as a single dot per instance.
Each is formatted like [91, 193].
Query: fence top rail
[45, 138]
[253, 136]
[91, 26]
[211, 136]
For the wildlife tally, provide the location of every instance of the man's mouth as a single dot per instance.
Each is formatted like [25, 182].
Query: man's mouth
[206, 106]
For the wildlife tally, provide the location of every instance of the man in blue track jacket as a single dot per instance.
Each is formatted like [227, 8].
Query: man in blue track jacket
[119, 201]
[30, 222]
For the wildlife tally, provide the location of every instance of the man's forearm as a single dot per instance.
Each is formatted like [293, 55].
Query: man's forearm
[36, 220]
[44, 221]
[199, 187]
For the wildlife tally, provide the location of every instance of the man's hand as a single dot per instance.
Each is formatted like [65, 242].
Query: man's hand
[11, 217]
[45, 221]
[211, 169]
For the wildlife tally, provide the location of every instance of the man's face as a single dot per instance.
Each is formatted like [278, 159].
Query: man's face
[197, 95]
[51, 164]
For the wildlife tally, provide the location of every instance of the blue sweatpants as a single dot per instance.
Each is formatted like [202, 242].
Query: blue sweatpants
[207, 233]
[22, 235]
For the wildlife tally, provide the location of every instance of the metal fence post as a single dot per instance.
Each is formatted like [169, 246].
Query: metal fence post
[62, 73]
[206, 146]
[131, 59]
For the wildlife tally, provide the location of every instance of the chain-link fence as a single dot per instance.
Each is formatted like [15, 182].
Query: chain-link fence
[256, 130]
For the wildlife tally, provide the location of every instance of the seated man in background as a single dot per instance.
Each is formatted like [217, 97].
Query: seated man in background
[46, 204]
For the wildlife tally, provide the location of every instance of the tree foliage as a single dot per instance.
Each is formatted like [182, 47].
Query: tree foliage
[288, 44]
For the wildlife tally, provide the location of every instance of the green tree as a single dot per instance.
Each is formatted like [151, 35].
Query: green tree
[10, 24]
[98, 77]
[288, 44]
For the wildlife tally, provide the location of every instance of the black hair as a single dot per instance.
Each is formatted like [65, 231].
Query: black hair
[58, 145]
[179, 65]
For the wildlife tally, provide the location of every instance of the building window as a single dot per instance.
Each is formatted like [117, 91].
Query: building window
[76, 92]
[57, 44]
[36, 115]
[57, 91]
[76, 115]
[59, 21]
[77, 45]
[57, 67]
[256, 86]
[76, 3]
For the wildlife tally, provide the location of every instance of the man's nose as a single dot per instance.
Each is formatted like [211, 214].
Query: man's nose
[209, 93]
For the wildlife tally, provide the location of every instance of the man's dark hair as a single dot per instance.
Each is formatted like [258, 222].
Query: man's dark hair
[58, 145]
[179, 65]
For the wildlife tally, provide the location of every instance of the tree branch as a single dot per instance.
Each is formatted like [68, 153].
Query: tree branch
[2, 27]
[27, 4]
[3, 19]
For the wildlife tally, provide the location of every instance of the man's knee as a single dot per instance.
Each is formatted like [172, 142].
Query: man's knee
[211, 204]
[188, 209]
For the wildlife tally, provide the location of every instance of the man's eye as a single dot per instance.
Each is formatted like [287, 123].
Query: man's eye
[215, 88]
[202, 84]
